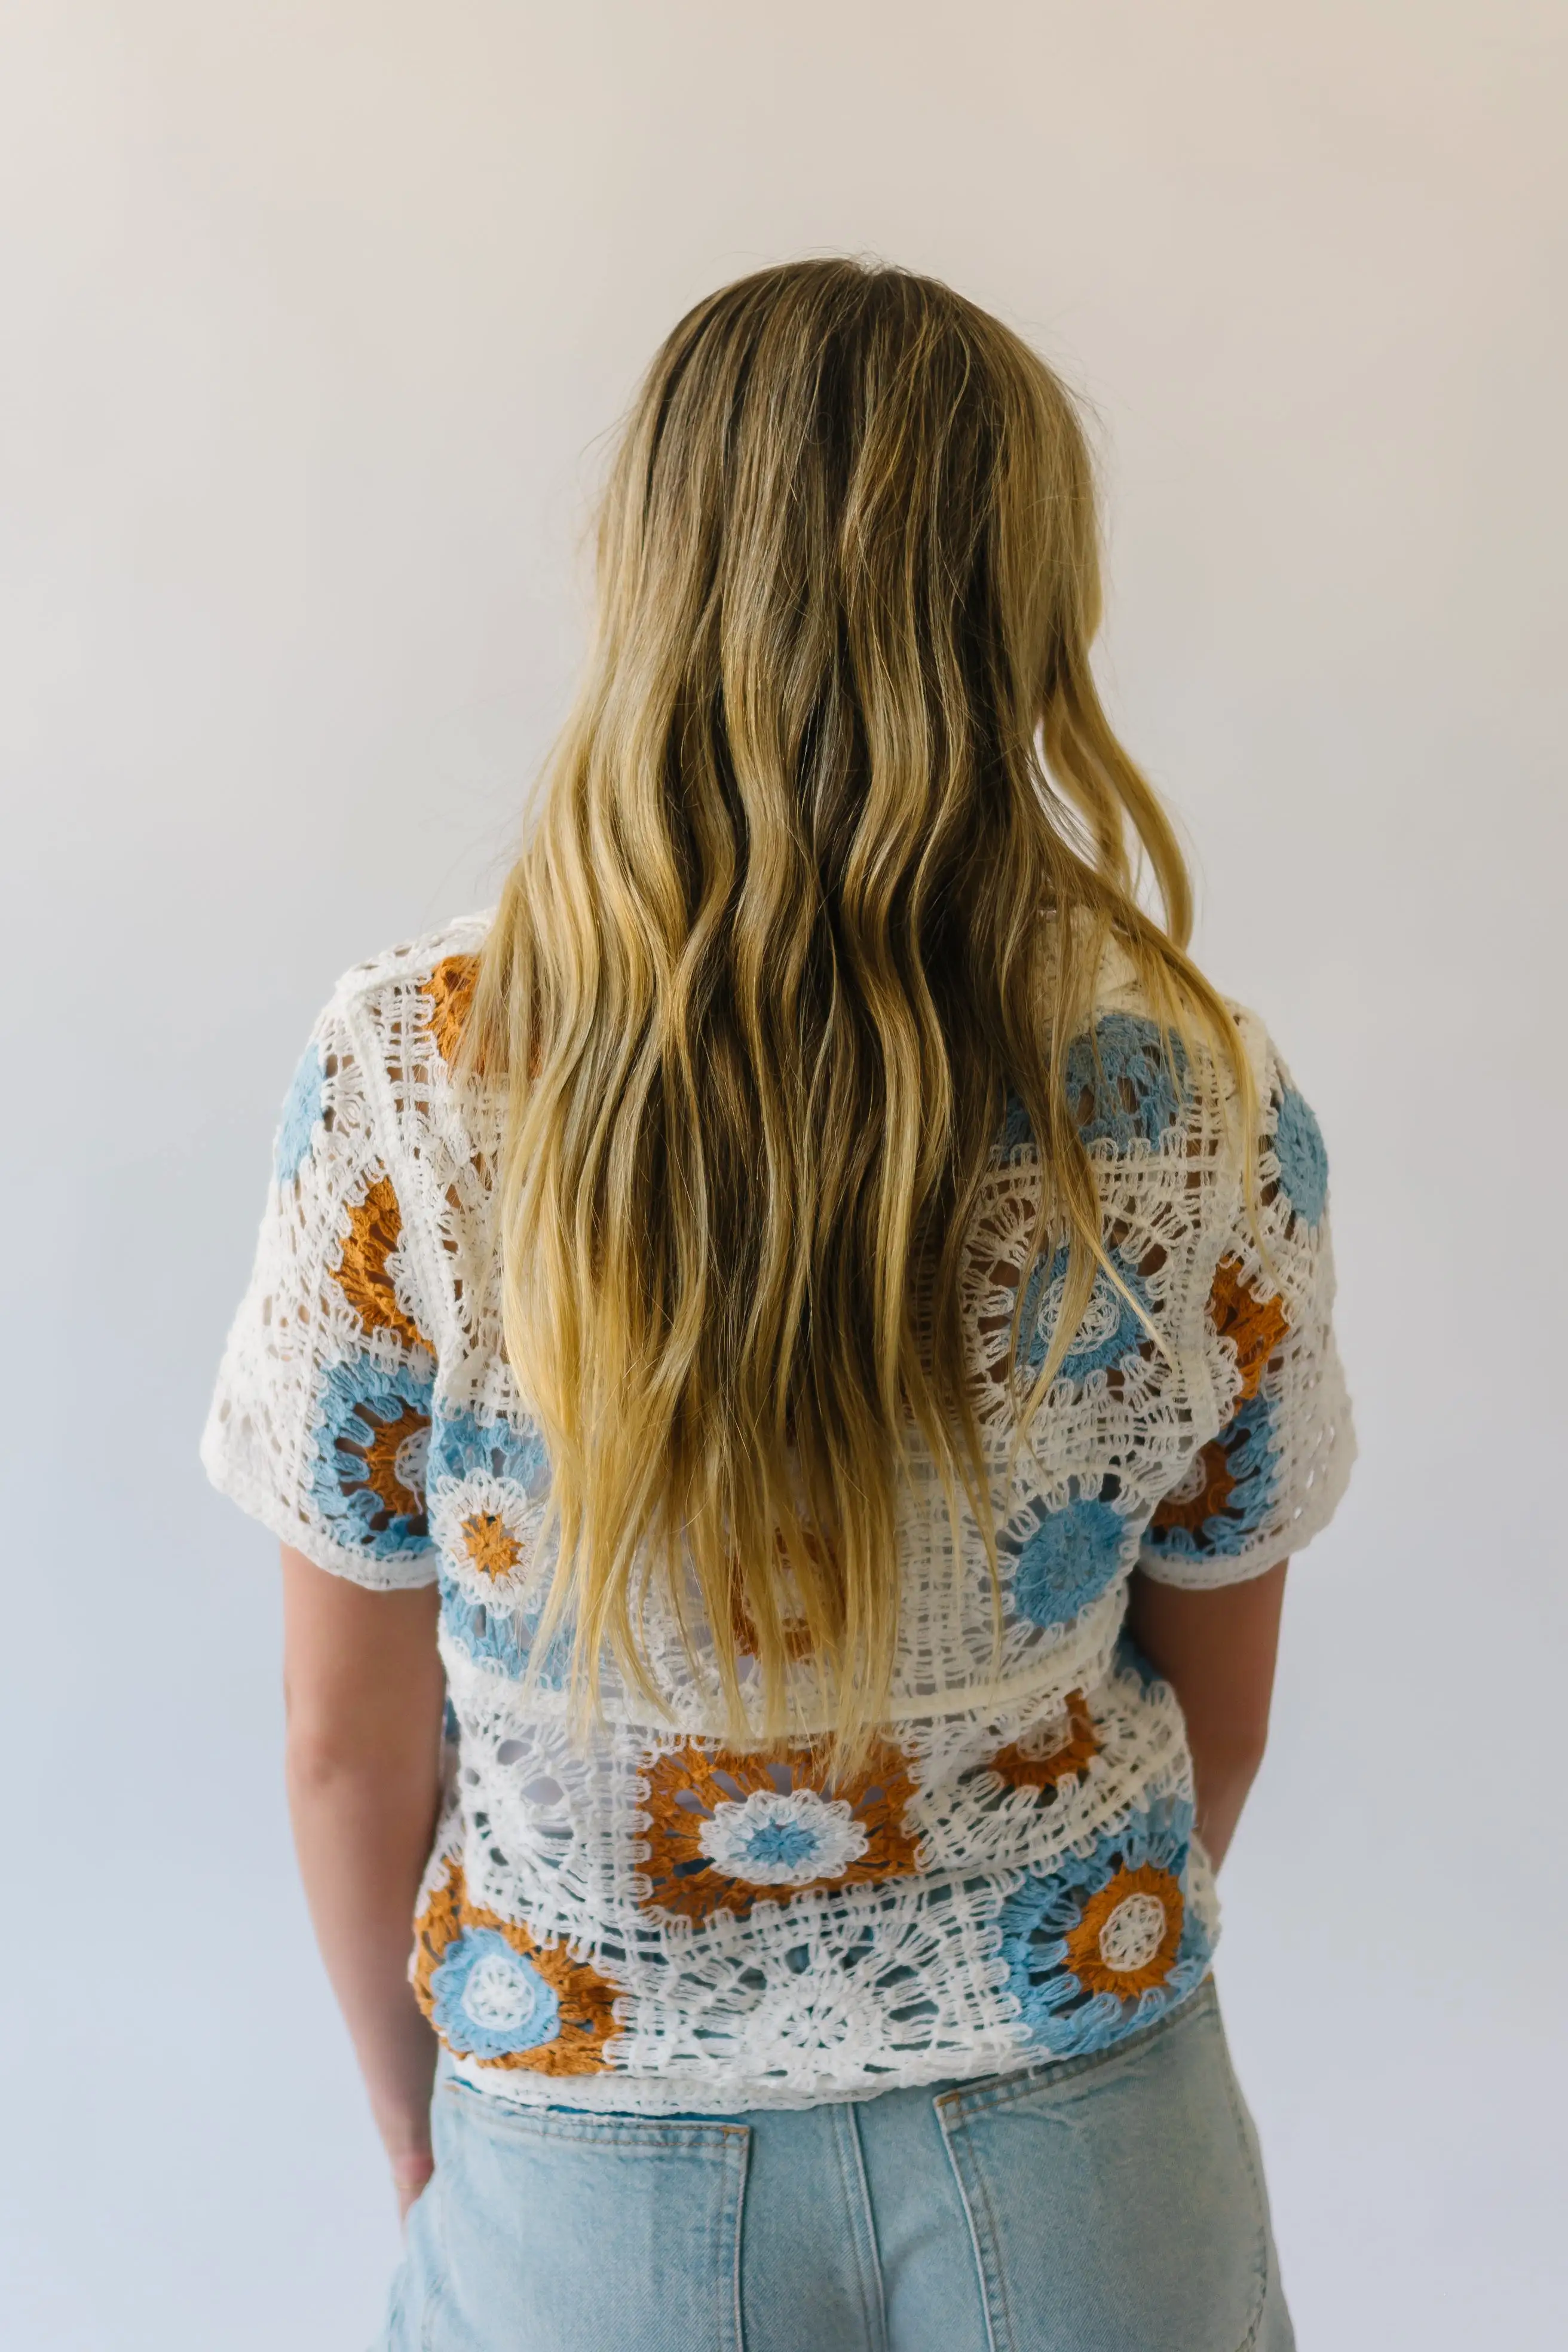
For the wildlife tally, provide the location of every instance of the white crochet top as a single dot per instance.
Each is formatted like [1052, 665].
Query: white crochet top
[654, 1920]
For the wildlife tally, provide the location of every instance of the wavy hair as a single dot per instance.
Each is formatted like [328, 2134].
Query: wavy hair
[829, 855]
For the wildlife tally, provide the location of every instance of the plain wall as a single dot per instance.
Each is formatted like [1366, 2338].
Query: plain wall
[313, 315]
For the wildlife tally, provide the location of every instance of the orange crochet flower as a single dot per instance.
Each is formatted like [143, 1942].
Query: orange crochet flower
[729, 1830]
[1027, 1763]
[491, 1544]
[1201, 1494]
[1255, 1327]
[363, 1273]
[1127, 1939]
[574, 1996]
[450, 992]
[394, 1462]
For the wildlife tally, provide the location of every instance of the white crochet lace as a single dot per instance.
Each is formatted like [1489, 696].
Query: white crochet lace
[669, 1924]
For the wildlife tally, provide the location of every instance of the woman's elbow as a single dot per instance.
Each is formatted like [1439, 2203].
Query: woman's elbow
[1231, 1751]
[326, 1749]
[319, 1756]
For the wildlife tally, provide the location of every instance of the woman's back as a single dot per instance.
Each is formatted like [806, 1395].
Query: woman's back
[672, 1917]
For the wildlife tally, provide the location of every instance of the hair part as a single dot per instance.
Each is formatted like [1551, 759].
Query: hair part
[830, 852]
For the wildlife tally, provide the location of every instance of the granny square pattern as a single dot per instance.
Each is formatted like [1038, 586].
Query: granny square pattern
[672, 1917]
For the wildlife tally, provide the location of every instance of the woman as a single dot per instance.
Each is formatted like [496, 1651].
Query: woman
[787, 1364]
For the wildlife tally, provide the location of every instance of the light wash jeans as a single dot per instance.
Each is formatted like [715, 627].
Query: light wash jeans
[1113, 2203]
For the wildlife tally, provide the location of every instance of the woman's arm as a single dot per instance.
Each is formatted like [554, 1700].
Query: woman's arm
[363, 1691]
[1217, 1649]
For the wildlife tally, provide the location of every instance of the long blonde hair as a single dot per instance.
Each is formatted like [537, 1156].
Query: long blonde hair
[777, 948]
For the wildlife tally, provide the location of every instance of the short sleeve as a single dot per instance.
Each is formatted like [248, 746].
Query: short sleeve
[1272, 1475]
[320, 1426]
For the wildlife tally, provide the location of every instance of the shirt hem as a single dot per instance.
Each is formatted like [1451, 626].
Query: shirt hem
[658, 2094]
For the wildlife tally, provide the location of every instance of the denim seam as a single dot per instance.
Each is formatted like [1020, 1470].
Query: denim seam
[736, 2161]
[862, 2225]
[1055, 2076]
[1259, 2205]
[435, 2288]
[971, 2191]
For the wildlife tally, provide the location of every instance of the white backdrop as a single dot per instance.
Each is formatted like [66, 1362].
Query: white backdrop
[312, 313]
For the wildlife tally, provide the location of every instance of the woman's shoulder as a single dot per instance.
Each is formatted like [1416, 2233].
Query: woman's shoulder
[1122, 999]
[423, 984]
[371, 1089]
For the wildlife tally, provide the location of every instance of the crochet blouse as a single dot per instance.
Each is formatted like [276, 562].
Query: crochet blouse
[647, 1919]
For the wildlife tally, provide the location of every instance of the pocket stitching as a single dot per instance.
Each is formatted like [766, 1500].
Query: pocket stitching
[729, 2143]
[609, 2130]
[1055, 2073]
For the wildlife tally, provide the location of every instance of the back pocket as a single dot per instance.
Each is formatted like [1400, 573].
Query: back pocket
[566, 2231]
[1116, 2202]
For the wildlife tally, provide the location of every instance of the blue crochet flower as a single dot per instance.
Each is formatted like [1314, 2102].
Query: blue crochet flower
[466, 1446]
[301, 1113]
[488, 2001]
[781, 1842]
[1065, 1558]
[370, 1441]
[462, 1444]
[1303, 1162]
[1110, 1332]
[494, 1636]
[1135, 1076]
[497, 1636]
[1135, 1082]
[1103, 1944]
[1233, 1484]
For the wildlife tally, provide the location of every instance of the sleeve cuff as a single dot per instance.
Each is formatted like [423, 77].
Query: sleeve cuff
[403, 1571]
[1315, 1506]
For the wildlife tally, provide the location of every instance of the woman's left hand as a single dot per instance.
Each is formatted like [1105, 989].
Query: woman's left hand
[409, 2175]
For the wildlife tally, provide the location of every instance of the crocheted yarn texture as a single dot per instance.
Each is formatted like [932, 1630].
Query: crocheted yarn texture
[675, 1923]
